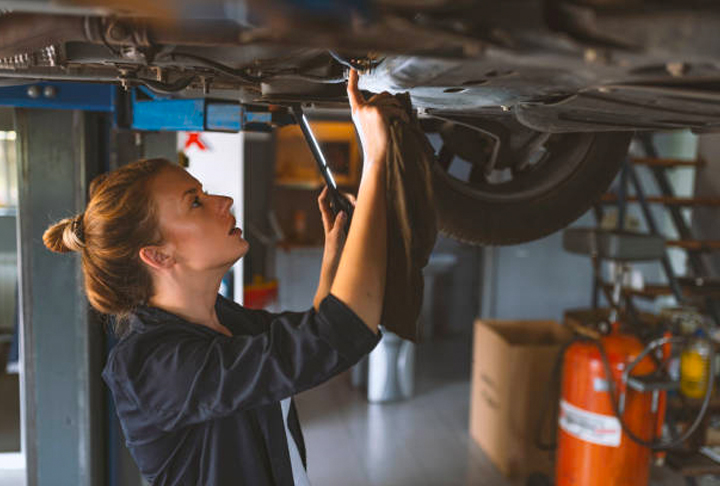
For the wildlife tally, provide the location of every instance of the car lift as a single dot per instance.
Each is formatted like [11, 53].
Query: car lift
[141, 109]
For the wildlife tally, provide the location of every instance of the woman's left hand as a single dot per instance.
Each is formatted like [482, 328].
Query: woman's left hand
[334, 227]
[335, 237]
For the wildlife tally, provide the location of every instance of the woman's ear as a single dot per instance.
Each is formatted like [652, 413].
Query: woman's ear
[156, 257]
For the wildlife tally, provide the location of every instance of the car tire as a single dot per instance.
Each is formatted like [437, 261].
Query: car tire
[470, 217]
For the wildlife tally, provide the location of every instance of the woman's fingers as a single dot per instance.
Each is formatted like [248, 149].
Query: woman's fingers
[350, 198]
[372, 118]
[383, 98]
[323, 197]
[330, 223]
[354, 95]
[339, 225]
[325, 212]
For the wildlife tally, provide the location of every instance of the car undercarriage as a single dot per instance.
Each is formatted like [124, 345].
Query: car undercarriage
[538, 99]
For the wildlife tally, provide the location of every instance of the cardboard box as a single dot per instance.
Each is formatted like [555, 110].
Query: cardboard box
[511, 371]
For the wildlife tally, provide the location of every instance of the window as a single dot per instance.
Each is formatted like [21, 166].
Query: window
[8, 171]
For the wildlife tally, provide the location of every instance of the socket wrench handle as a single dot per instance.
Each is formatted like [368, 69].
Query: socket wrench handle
[338, 202]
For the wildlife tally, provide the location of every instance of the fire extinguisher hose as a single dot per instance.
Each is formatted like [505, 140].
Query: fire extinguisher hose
[655, 445]
[658, 444]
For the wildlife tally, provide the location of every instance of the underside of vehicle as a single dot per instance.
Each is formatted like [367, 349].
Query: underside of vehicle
[535, 101]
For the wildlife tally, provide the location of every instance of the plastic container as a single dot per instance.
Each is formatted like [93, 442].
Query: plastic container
[391, 369]
[694, 366]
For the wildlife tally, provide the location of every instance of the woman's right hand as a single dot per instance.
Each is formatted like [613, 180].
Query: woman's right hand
[371, 120]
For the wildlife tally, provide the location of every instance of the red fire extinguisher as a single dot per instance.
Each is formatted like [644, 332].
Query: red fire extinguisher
[612, 409]
[594, 448]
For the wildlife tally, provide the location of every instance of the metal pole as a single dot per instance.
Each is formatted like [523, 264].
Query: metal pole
[60, 344]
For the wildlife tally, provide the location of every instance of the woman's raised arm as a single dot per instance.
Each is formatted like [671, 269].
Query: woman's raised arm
[360, 278]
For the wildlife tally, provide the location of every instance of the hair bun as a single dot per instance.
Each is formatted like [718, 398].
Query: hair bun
[66, 235]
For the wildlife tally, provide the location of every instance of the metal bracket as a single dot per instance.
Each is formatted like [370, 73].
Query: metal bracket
[60, 96]
[141, 109]
[152, 112]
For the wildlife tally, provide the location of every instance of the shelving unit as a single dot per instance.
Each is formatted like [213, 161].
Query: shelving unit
[698, 288]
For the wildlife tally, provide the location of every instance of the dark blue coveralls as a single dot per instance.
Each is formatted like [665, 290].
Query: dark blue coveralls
[201, 408]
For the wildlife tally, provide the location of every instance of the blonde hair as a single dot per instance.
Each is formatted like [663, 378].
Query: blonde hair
[65, 235]
[119, 220]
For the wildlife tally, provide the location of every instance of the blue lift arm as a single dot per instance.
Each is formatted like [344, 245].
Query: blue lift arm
[141, 109]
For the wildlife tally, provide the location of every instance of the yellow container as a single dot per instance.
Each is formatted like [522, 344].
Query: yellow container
[695, 368]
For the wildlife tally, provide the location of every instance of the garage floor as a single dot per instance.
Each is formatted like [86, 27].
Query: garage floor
[423, 441]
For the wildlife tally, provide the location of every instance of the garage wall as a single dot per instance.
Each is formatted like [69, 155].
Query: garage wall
[456, 293]
[455, 297]
[537, 280]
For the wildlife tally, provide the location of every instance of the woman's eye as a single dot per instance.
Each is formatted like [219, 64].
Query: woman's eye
[196, 202]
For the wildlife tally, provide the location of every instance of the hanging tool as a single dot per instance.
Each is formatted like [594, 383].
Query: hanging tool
[338, 202]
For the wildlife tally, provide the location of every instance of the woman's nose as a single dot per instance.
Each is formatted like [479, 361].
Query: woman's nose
[226, 203]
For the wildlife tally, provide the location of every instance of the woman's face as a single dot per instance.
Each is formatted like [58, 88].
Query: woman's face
[198, 229]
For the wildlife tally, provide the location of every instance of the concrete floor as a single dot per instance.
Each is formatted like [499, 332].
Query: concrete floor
[416, 442]
[422, 441]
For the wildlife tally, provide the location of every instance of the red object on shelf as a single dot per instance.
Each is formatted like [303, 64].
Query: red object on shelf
[260, 294]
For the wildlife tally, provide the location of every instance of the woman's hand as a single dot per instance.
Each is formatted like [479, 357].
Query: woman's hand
[371, 120]
[335, 238]
[360, 280]
[334, 227]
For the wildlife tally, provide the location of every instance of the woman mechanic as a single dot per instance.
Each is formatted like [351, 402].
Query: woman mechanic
[202, 386]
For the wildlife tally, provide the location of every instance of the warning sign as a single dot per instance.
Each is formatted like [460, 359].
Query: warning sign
[590, 427]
